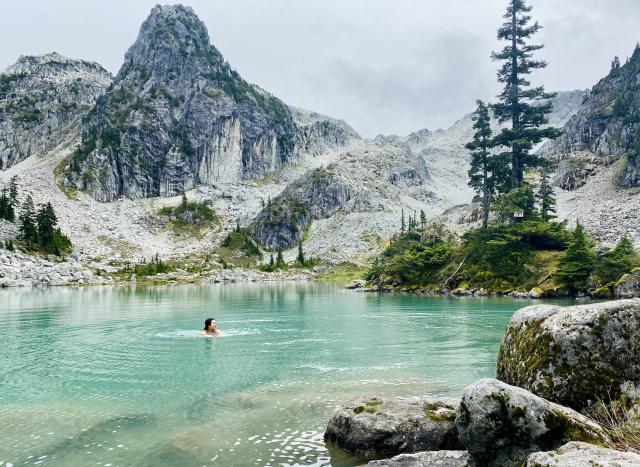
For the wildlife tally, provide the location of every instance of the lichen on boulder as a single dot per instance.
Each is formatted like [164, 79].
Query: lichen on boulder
[501, 425]
[573, 355]
[426, 459]
[576, 454]
[379, 427]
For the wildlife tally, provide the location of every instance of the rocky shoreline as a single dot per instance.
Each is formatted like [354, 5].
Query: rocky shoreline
[555, 366]
[21, 270]
[627, 287]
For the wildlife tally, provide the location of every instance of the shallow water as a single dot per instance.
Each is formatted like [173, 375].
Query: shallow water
[123, 376]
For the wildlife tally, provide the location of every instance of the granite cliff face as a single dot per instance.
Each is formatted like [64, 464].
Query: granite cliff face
[177, 116]
[42, 99]
[607, 124]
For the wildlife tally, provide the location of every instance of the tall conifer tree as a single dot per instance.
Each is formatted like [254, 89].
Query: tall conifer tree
[481, 171]
[546, 198]
[28, 229]
[577, 262]
[521, 104]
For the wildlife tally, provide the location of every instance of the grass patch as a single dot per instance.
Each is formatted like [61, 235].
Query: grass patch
[342, 274]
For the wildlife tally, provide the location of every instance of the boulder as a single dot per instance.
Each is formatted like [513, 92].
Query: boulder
[573, 355]
[576, 454]
[426, 459]
[378, 427]
[501, 425]
[628, 286]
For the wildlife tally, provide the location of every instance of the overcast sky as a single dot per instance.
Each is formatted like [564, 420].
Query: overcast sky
[384, 66]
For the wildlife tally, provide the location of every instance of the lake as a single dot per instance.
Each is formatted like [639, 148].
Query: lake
[123, 376]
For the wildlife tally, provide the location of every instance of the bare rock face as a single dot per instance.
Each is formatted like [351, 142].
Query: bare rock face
[501, 425]
[42, 100]
[628, 286]
[573, 355]
[576, 454]
[378, 427]
[426, 459]
[176, 116]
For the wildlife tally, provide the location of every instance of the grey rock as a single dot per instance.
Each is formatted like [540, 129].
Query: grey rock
[628, 286]
[356, 284]
[377, 427]
[573, 355]
[177, 115]
[426, 459]
[501, 425]
[42, 100]
[576, 454]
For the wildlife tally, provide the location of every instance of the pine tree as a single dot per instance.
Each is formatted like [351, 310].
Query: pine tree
[46, 221]
[300, 259]
[578, 261]
[481, 171]
[184, 203]
[7, 211]
[28, 229]
[403, 226]
[423, 219]
[520, 103]
[546, 198]
[619, 261]
[280, 264]
[13, 191]
[271, 263]
[615, 64]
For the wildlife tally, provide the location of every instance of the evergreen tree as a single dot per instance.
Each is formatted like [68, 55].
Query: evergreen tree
[423, 219]
[28, 229]
[13, 191]
[619, 261]
[7, 211]
[184, 203]
[546, 198]
[403, 226]
[46, 221]
[280, 264]
[271, 263]
[300, 259]
[480, 173]
[518, 204]
[577, 262]
[615, 64]
[520, 103]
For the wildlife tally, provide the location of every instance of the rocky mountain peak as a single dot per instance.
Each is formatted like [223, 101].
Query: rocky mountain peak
[42, 99]
[177, 116]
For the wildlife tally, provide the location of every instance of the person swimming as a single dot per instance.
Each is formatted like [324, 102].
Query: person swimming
[210, 327]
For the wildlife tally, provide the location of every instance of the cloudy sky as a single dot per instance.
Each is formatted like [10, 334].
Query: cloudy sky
[384, 66]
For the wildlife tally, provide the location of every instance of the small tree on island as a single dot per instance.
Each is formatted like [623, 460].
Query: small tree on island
[578, 261]
[480, 173]
[546, 198]
[522, 105]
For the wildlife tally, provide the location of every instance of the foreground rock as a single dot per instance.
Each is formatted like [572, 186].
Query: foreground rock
[580, 454]
[375, 428]
[573, 355]
[426, 459]
[501, 425]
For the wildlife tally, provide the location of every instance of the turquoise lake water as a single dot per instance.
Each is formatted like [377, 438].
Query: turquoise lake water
[123, 376]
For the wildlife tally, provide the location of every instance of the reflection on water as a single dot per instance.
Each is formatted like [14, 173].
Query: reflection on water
[124, 376]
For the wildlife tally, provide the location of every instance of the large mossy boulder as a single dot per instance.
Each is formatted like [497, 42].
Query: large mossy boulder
[577, 454]
[379, 427]
[573, 355]
[426, 459]
[628, 286]
[500, 425]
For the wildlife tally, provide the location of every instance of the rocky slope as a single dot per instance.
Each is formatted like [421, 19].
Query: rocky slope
[42, 99]
[178, 116]
[608, 122]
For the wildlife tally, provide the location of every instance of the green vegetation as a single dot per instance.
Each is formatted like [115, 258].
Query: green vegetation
[9, 200]
[38, 230]
[190, 217]
[483, 171]
[152, 268]
[239, 249]
[369, 407]
[577, 263]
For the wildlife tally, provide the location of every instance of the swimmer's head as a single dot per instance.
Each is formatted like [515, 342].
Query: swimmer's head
[210, 324]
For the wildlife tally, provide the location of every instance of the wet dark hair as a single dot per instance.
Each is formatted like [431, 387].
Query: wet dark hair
[207, 323]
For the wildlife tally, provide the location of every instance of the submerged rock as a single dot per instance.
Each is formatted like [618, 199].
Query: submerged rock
[377, 427]
[577, 454]
[573, 355]
[426, 459]
[501, 425]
